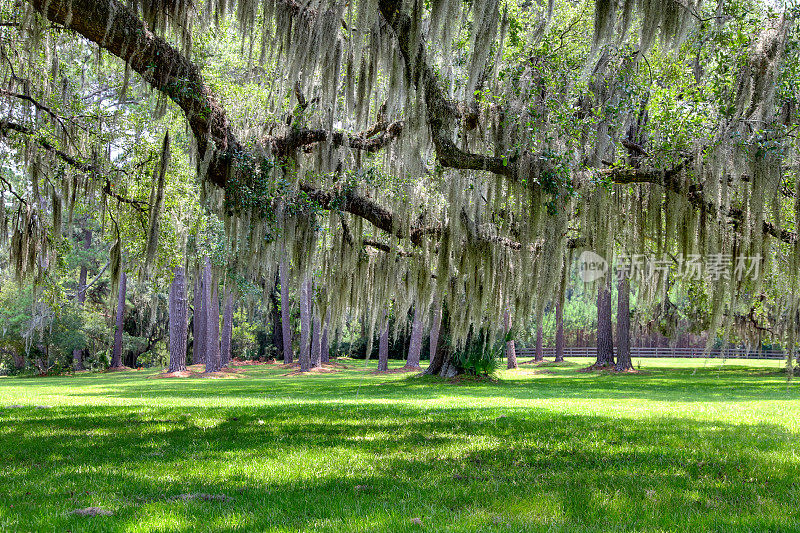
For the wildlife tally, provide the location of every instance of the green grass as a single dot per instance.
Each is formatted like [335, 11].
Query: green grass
[684, 446]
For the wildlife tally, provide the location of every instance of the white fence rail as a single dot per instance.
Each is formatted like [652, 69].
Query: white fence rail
[642, 351]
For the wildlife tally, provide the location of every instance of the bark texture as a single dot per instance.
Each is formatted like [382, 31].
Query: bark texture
[80, 298]
[511, 348]
[286, 325]
[623, 325]
[210, 319]
[415, 345]
[227, 329]
[116, 354]
[326, 342]
[560, 315]
[178, 314]
[436, 323]
[539, 356]
[605, 342]
[305, 325]
[383, 345]
[316, 340]
[198, 323]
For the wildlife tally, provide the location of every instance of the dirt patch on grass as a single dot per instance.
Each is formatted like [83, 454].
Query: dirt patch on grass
[179, 374]
[326, 368]
[92, 511]
[608, 370]
[122, 368]
[249, 362]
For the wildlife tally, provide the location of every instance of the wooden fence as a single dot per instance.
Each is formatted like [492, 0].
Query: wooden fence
[642, 351]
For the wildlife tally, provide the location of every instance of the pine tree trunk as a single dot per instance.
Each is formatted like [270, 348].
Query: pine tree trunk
[210, 320]
[286, 324]
[305, 325]
[623, 325]
[415, 345]
[511, 348]
[277, 326]
[326, 346]
[539, 356]
[227, 329]
[605, 342]
[560, 316]
[198, 323]
[316, 340]
[178, 313]
[77, 353]
[436, 324]
[116, 354]
[383, 345]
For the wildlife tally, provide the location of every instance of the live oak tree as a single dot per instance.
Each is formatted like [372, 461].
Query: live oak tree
[400, 156]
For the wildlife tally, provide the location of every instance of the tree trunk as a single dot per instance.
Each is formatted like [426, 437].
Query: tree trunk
[623, 325]
[436, 324]
[277, 326]
[210, 319]
[560, 316]
[227, 329]
[511, 349]
[116, 355]
[383, 345]
[316, 340]
[325, 357]
[415, 345]
[177, 321]
[77, 353]
[198, 323]
[605, 342]
[539, 356]
[305, 325]
[441, 362]
[286, 324]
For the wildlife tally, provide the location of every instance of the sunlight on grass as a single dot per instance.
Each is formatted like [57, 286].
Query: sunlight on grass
[680, 446]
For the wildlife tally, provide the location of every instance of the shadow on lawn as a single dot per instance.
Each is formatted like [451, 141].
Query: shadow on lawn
[375, 467]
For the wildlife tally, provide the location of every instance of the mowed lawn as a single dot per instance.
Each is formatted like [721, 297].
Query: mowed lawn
[686, 445]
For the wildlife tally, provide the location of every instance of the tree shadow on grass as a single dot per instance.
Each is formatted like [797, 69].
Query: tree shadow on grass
[373, 468]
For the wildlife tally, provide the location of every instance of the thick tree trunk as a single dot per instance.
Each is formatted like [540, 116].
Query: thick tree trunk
[210, 320]
[415, 345]
[227, 329]
[316, 340]
[305, 325]
[511, 348]
[383, 345]
[623, 325]
[441, 362]
[436, 324]
[560, 316]
[116, 354]
[286, 324]
[326, 343]
[605, 342]
[178, 314]
[198, 323]
[77, 353]
[539, 356]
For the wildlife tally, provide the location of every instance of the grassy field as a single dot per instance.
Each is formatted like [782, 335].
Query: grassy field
[683, 446]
